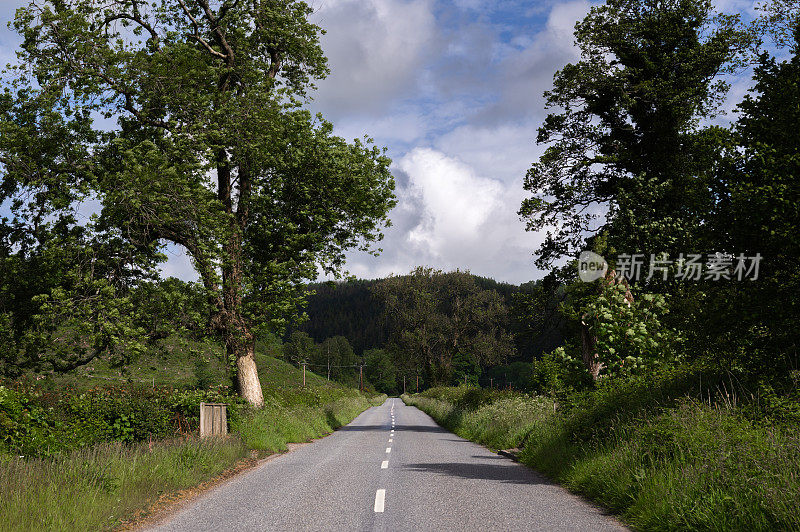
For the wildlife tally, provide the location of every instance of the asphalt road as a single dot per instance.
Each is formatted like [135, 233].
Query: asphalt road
[366, 476]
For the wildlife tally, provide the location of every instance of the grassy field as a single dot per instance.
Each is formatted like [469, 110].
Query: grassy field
[102, 486]
[650, 451]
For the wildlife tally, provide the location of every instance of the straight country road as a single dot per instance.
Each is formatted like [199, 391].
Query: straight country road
[393, 468]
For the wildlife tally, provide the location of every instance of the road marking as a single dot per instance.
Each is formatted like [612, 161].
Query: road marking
[390, 440]
[385, 464]
[388, 449]
[380, 498]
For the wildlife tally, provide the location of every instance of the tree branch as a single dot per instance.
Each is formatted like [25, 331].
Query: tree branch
[196, 26]
[135, 17]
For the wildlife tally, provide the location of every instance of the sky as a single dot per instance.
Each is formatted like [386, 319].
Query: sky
[454, 90]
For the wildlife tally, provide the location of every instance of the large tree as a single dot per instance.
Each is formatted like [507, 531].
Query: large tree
[761, 215]
[625, 155]
[186, 119]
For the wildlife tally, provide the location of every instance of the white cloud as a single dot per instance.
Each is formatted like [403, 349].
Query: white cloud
[502, 152]
[526, 73]
[450, 216]
[375, 50]
[457, 202]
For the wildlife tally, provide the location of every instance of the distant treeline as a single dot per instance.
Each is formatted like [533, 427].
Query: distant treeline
[350, 309]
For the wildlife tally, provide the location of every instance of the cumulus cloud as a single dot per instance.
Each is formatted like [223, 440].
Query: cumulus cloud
[456, 202]
[451, 217]
[464, 138]
[529, 63]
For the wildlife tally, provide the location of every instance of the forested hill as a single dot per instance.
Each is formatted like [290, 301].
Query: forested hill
[346, 309]
[350, 309]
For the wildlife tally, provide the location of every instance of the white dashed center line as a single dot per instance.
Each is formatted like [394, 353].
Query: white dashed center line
[380, 497]
[388, 449]
[390, 440]
[385, 464]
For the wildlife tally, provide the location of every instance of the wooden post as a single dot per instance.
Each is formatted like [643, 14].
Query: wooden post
[491, 387]
[416, 388]
[213, 419]
[304, 374]
[404, 384]
[361, 377]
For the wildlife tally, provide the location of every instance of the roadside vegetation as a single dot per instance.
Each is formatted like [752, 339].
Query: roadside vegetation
[679, 450]
[75, 455]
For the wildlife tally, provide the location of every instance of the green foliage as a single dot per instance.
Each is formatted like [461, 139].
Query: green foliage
[39, 423]
[625, 133]
[101, 487]
[630, 335]
[466, 369]
[239, 75]
[762, 198]
[434, 316]
[171, 306]
[498, 419]
[26, 428]
[335, 358]
[644, 448]
[381, 371]
[346, 308]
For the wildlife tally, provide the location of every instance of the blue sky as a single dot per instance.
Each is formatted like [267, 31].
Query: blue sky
[453, 89]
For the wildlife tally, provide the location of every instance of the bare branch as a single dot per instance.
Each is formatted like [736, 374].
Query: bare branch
[219, 36]
[137, 18]
[196, 36]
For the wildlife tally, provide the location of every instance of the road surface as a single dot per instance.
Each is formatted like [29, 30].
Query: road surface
[393, 468]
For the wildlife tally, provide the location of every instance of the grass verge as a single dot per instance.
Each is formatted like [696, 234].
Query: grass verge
[660, 459]
[105, 485]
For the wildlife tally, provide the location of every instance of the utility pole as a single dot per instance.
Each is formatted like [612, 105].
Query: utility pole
[491, 387]
[304, 374]
[361, 377]
[416, 388]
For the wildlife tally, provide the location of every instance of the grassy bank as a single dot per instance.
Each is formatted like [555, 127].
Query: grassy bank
[99, 486]
[650, 451]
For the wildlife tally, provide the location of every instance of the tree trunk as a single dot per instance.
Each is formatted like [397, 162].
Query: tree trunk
[247, 383]
[589, 341]
[589, 351]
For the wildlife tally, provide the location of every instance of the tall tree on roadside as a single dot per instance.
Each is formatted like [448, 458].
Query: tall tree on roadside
[625, 137]
[762, 216]
[211, 149]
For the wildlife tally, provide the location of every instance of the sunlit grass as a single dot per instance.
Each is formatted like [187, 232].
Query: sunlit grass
[682, 464]
[99, 487]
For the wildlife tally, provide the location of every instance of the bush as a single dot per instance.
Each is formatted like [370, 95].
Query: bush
[36, 424]
[25, 427]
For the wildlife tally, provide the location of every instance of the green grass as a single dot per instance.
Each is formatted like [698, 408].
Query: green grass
[648, 451]
[95, 488]
[100, 487]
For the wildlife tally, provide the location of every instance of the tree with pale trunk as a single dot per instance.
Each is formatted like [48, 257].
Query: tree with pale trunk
[192, 122]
